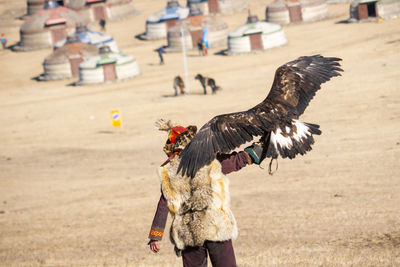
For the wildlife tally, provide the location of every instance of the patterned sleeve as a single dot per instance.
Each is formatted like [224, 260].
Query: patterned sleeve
[234, 161]
[160, 219]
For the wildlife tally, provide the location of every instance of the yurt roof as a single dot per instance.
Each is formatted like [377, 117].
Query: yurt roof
[89, 37]
[252, 28]
[70, 50]
[169, 13]
[79, 4]
[356, 2]
[285, 3]
[106, 58]
[44, 17]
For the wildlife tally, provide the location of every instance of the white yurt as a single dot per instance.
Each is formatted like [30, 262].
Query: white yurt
[48, 26]
[255, 35]
[372, 9]
[64, 62]
[218, 6]
[90, 37]
[194, 27]
[107, 66]
[296, 11]
[158, 24]
[97, 10]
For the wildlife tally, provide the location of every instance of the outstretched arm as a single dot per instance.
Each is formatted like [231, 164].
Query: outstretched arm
[234, 161]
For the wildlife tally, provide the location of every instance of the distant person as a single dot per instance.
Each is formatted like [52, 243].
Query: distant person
[102, 24]
[205, 49]
[3, 41]
[160, 52]
[200, 47]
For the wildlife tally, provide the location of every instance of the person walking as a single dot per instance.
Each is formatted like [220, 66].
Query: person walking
[3, 41]
[160, 52]
[203, 222]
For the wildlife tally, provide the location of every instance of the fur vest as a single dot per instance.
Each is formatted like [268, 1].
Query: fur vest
[200, 207]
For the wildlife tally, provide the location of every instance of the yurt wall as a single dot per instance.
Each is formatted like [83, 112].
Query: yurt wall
[389, 9]
[218, 6]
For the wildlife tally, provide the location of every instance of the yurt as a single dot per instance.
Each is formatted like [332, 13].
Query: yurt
[158, 24]
[368, 9]
[296, 11]
[107, 66]
[194, 27]
[83, 34]
[64, 62]
[104, 9]
[255, 35]
[48, 26]
[218, 6]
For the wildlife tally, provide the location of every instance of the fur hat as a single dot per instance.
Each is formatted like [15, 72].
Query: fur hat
[178, 136]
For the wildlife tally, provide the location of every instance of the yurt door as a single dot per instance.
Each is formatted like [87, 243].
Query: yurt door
[99, 13]
[295, 13]
[256, 41]
[58, 34]
[74, 62]
[213, 6]
[362, 11]
[196, 36]
[110, 73]
[171, 23]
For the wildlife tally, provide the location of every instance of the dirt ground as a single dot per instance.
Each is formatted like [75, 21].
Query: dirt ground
[74, 191]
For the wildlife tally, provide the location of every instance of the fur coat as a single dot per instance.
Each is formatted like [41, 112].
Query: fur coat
[200, 206]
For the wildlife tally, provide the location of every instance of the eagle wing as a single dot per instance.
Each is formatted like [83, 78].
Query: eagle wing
[221, 134]
[295, 84]
[297, 81]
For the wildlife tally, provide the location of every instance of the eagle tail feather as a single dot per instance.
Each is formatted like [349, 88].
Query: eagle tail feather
[294, 143]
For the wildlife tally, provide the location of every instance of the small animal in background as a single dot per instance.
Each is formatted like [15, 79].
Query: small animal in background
[207, 81]
[178, 83]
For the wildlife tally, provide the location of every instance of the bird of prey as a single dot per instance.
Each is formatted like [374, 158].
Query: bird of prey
[275, 119]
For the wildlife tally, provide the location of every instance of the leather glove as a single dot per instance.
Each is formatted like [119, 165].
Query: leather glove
[256, 152]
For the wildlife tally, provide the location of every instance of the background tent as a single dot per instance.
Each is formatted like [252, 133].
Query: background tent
[158, 24]
[255, 35]
[107, 66]
[296, 11]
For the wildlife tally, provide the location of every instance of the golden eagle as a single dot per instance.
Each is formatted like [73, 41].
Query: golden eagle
[275, 119]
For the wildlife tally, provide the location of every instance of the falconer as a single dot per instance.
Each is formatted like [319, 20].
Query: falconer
[202, 221]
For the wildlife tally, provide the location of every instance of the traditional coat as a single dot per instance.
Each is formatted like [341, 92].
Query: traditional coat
[200, 206]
